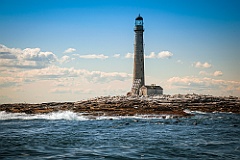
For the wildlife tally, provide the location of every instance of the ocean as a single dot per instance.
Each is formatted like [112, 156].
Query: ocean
[68, 135]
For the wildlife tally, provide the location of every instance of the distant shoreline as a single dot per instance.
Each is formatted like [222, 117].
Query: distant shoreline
[129, 106]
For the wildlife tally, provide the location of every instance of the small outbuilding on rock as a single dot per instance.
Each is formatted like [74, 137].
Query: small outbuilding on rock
[150, 90]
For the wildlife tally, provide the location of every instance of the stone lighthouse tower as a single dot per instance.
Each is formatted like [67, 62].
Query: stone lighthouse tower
[138, 67]
[139, 88]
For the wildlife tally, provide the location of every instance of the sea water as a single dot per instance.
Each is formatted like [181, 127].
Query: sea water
[68, 135]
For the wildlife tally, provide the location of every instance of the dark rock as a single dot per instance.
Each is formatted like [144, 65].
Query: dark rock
[128, 106]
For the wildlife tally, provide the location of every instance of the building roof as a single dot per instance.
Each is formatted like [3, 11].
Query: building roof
[139, 17]
[153, 87]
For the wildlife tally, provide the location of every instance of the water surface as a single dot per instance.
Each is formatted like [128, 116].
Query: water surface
[68, 135]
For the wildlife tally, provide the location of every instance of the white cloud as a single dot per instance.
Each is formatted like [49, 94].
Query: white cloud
[64, 59]
[47, 56]
[204, 85]
[10, 50]
[54, 72]
[164, 54]
[61, 78]
[202, 65]
[26, 58]
[116, 55]
[218, 73]
[30, 54]
[129, 55]
[92, 56]
[69, 50]
[98, 76]
[151, 55]
[204, 73]
[185, 81]
[7, 55]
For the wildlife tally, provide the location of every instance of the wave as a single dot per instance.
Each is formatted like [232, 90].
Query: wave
[204, 113]
[69, 115]
[194, 112]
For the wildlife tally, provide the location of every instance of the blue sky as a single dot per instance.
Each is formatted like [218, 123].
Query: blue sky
[70, 50]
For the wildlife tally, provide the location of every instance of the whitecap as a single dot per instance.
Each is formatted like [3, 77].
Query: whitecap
[69, 115]
[194, 112]
[61, 115]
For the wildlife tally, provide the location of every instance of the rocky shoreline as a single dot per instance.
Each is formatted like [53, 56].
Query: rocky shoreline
[175, 105]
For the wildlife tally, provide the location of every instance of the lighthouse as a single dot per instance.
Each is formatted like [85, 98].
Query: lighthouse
[138, 86]
[138, 65]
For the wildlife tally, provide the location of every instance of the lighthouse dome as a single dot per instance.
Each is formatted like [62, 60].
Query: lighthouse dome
[139, 17]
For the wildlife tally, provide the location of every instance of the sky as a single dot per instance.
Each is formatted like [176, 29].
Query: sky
[71, 50]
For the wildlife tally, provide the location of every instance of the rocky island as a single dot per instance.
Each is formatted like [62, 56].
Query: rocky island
[175, 105]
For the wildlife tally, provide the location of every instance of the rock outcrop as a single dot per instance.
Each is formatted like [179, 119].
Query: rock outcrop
[129, 106]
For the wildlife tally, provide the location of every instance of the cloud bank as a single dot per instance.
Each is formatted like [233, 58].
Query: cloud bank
[205, 85]
[55, 72]
[35, 75]
[216, 73]
[26, 58]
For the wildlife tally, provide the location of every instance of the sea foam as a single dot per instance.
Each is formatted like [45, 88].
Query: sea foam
[64, 115]
[69, 115]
